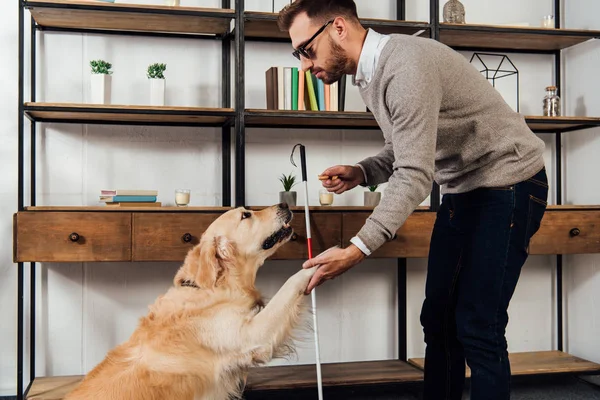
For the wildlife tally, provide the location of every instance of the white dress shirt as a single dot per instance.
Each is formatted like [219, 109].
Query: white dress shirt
[367, 64]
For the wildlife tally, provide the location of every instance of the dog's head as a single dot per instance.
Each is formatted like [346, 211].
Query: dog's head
[235, 245]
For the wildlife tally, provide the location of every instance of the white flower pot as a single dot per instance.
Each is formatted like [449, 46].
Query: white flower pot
[288, 197]
[372, 199]
[100, 88]
[157, 92]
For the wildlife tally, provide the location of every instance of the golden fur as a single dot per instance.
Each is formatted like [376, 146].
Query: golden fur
[198, 341]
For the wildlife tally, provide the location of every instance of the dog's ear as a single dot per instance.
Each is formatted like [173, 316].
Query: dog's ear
[208, 263]
[214, 262]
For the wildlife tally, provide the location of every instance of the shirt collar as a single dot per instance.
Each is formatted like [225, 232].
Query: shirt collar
[369, 56]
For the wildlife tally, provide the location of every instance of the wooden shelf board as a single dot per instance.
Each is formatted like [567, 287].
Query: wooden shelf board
[476, 36]
[537, 363]
[553, 124]
[128, 209]
[128, 114]
[85, 15]
[263, 25]
[310, 119]
[365, 120]
[333, 374]
[333, 209]
[349, 374]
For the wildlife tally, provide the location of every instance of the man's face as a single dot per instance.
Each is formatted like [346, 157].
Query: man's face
[327, 59]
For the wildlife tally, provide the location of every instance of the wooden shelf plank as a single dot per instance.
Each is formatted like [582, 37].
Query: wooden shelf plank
[263, 25]
[334, 374]
[537, 362]
[53, 388]
[365, 120]
[564, 124]
[128, 114]
[128, 209]
[310, 119]
[332, 209]
[350, 374]
[87, 15]
[475, 36]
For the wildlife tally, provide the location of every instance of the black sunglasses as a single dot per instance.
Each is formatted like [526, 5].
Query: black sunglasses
[302, 49]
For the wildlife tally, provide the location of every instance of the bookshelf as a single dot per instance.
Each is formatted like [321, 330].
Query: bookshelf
[567, 229]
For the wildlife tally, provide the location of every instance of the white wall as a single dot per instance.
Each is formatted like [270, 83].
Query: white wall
[85, 309]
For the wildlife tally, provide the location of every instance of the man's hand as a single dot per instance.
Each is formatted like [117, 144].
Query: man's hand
[348, 177]
[332, 263]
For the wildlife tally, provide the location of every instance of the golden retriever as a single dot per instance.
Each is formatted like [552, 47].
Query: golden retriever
[200, 338]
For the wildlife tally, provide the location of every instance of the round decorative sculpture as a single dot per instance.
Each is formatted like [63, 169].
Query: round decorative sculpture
[454, 12]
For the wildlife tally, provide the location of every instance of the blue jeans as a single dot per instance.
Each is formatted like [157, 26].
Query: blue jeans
[479, 243]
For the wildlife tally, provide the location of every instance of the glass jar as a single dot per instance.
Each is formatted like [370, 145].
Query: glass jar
[551, 102]
[454, 12]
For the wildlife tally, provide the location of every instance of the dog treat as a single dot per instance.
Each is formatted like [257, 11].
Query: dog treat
[325, 177]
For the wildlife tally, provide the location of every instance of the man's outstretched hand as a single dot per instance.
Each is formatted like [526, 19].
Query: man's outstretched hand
[348, 177]
[332, 263]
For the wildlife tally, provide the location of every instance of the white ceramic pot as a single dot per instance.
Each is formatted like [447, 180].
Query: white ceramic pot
[372, 199]
[288, 197]
[100, 88]
[157, 92]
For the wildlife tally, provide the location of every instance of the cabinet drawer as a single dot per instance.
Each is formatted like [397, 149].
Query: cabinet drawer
[72, 236]
[167, 236]
[412, 239]
[567, 232]
[326, 232]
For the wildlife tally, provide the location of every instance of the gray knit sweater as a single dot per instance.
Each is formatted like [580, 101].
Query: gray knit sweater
[441, 119]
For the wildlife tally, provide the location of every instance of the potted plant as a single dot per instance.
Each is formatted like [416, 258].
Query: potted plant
[156, 75]
[287, 196]
[100, 82]
[372, 197]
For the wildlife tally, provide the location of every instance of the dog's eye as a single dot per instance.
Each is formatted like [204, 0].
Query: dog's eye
[246, 214]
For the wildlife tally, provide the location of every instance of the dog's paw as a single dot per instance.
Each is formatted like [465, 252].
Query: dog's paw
[261, 355]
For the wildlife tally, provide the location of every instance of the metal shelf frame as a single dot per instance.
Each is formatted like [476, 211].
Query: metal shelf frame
[233, 137]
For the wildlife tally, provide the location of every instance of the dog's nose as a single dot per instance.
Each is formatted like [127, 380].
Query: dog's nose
[283, 206]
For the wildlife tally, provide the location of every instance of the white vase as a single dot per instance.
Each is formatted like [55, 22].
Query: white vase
[100, 88]
[371, 199]
[157, 92]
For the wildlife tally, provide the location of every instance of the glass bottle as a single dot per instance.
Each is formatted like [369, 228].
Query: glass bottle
[551, 102]
[454, 12]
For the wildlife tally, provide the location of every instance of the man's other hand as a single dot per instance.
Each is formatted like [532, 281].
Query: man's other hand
[348, 177]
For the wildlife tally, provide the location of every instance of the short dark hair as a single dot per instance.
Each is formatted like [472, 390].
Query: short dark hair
[320, 11]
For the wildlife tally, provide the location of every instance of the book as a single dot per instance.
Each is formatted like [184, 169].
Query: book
[128, 192]
[123, 198]
[290, 88]
[133, 204]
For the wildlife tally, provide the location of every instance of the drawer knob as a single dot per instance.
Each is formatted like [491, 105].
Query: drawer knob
[574, 232]
[294, 236]
[74, 237]
[187, 237]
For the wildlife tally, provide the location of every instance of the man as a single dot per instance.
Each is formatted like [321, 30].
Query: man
[441, 120]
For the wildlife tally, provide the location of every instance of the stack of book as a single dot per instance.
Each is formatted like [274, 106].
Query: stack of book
[130, 198]
[288, 88]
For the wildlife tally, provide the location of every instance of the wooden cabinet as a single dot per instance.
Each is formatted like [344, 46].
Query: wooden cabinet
[167, 236]
[72, 236]
[326, 232]
[568, 232]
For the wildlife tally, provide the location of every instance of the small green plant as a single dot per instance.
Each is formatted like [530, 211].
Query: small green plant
[288, 181]
[156, 70]
[373, 188]
[101, 67]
